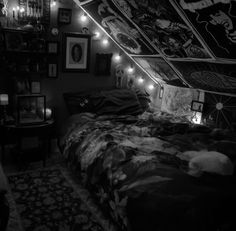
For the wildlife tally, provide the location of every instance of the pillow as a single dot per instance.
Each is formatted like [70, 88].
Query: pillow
[118, 101]
[78, 102]
[207, 161]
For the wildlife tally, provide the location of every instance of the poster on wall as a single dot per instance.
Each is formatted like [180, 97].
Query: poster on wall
[178, 100]
[217, 77]
[164, 27]
[159, 69]
[215, 21]
[119, 28]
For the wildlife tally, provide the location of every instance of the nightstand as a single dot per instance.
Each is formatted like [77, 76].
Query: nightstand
[17, 133]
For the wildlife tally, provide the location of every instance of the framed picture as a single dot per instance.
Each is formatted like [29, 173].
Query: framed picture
[31, 109]
[13, 40]
[35, 87]
[64, 16]
[52, 70]
[197, 106]
[76, 52]
[103, 64]
[52, 47]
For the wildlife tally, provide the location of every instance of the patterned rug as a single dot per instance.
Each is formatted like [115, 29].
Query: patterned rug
[49, 199]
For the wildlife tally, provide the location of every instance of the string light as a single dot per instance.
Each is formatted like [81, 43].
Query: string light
[150, 87]
[53, 3]
[130, 69]
[22, 10]
[105, 42]
[140, 80]
[97, 35]
[83, 18]
[117, 57]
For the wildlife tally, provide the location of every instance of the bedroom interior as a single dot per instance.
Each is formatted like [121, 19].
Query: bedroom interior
[117, 115]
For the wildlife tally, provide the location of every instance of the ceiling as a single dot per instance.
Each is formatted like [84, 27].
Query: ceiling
[178, 42]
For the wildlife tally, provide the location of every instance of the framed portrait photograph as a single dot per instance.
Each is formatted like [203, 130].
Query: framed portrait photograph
[103, 64]
[35, 87]
[76, 52]
[31, 109]
[52, 47]
[52, 70]
[197, 106]
[64, 16]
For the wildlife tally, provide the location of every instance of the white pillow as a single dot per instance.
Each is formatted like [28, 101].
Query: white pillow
[204, 161]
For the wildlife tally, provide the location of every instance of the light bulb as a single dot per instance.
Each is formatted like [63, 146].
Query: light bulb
[97, 34]
[130, 69]
[17, 8]
[117, 57]
[151, 87]
[22, 10]
[105, 42]
[83, 18]
[140, 80]
[53, 3]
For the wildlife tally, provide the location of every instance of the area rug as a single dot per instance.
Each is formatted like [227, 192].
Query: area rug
[49, 200]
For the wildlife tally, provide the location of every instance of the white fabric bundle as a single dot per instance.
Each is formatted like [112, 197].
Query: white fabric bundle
[207, 161]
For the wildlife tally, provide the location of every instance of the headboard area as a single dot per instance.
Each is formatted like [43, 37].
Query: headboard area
[108, 101]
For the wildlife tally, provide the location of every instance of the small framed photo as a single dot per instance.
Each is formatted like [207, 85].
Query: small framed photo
[103, 64]
[31, 109]
[76, 52]
[197, 106]
[35, 87]
[64, 16]
[52, 70]
[52, 47]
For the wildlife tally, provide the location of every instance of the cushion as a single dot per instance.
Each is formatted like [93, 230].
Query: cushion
[118, 102]
[115, 101]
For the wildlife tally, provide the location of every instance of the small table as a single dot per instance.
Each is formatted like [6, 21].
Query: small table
[42, 131]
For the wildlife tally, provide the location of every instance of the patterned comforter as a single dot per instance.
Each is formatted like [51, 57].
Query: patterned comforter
[132, 167]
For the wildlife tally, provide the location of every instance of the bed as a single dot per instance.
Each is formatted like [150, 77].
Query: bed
[149, 170]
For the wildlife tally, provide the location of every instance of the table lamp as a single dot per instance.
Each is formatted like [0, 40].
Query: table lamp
[4, 102]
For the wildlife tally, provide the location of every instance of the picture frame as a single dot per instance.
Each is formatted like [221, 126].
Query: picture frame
[64, 16]
[31, 109]
[35, 87]
[52, 70]
[52, 47]
[103, 64]
[197, 106]
[76, 52]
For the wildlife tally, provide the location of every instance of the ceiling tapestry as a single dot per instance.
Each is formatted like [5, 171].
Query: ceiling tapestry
[160, 22]
[119, 28]
[217, 77]
[215, 21]
[158, 68]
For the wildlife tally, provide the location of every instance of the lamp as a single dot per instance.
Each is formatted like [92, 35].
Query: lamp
[4, 102]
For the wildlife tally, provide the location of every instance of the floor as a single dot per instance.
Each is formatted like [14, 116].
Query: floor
[12, 164]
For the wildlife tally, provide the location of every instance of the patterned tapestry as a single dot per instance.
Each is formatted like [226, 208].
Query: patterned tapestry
[164, 27]
[177, 100]
[215, 21]
[217, 77]
[158, 68]
[119, 28]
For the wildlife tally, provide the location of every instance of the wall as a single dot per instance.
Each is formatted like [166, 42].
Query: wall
[54, 88]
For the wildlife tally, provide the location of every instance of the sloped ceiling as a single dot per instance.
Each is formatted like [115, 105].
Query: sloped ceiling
[179, 42]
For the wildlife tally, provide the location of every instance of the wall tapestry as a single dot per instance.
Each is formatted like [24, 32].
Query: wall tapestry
[215, 21]
[158, 68]
[220, 111]
[215, 77]
[177, 100]
[120, 29]
[164, 27]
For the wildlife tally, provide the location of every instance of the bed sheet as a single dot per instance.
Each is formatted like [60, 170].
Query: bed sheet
[131, 166]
